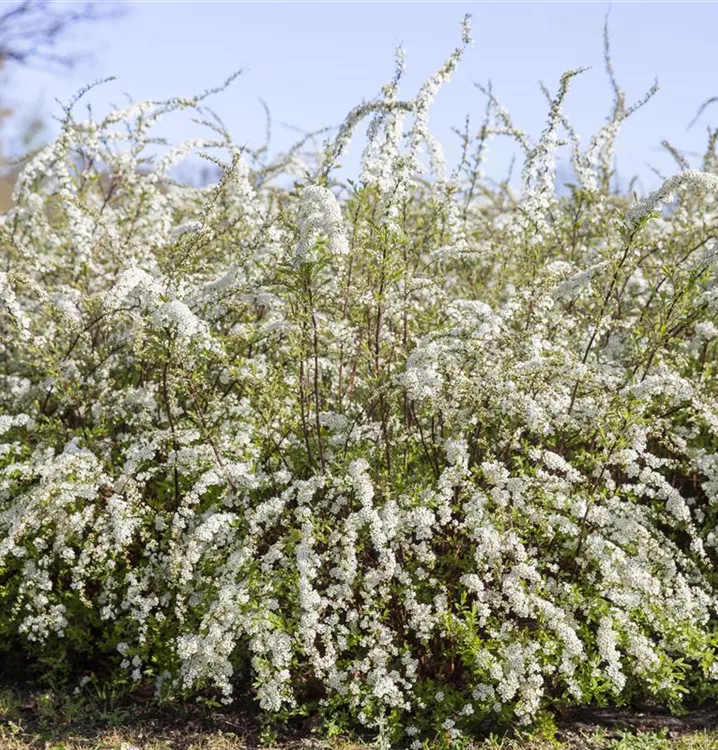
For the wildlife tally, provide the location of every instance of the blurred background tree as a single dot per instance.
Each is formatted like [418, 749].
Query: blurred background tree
[35, 33]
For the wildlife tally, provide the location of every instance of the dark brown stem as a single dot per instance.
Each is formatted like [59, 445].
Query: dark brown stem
[175, 445]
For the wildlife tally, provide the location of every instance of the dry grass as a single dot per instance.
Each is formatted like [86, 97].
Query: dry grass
[134, 739]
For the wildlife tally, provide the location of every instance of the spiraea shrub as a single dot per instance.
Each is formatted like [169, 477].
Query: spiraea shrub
[410, 451]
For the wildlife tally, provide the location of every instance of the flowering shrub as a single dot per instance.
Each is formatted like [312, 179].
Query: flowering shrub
[412, 449]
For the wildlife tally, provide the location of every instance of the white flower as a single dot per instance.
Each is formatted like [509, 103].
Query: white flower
[320, 217]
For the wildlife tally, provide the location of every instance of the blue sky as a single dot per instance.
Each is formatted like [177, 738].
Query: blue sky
[311, 62]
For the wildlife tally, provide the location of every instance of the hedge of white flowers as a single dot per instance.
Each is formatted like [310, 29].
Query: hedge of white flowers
[410, 450]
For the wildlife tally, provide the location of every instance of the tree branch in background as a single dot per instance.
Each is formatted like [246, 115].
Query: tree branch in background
[32, 30]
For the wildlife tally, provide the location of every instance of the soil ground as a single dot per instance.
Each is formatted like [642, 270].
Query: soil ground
[44, 721]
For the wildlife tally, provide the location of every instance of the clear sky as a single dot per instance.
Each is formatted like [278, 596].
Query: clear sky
[311, 62]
